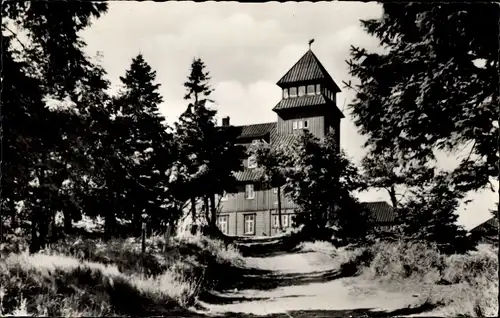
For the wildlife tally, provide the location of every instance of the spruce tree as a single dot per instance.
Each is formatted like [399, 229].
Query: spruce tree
[430, 215]
[271, 165]
[320, 179]
[145, 144]
[195, 130]
[385, 171]
[208, 155]
[435, 86]
[49, 62]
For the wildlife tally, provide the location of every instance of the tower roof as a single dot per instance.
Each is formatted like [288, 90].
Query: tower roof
[307, 68]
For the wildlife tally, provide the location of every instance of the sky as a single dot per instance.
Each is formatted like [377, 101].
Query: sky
[247, 48]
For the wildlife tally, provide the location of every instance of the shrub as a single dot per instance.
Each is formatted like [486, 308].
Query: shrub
[403, 260]
[474, 275]
[317, 246]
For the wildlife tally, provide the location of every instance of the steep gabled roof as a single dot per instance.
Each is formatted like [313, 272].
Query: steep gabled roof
[490, 224]
[306, 100]
[307, 68]
[256, 130]
[381, 211]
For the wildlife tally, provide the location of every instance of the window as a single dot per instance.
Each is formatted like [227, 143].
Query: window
[294, 125]
[284, 220]
[249, 192]
[300, 124]
[318, 89]
[224, 196]
[249, 224]
[310, 90]
[302, 90]
[276, 221]
[222, 223]
[285, 93]
[275, 190]
[293, 91]
[252, 162]
[306, 124]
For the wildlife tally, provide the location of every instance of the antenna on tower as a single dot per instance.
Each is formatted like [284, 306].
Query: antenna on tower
[311, 41]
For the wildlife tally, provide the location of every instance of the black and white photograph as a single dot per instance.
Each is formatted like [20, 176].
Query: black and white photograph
[249, 159]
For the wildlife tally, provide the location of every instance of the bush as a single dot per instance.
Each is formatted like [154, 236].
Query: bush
[474, 275]
[402, 260]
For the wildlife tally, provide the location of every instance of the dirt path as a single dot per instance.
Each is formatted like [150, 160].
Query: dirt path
[307, 285]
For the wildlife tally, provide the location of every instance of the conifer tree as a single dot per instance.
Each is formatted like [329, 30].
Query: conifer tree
[271, 165]
[145, 143]
[49, 62]
[435, 86]
[385, 171]
[208, 155]
[195, 129]
[320, 180]
[430, 215]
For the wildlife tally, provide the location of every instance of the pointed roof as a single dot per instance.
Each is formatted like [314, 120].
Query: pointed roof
[382, 212]
[307, 68]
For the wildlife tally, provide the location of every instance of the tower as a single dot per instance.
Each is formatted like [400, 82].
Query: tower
[308, 100]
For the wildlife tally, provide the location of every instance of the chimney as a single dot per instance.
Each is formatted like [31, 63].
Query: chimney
[225, 121]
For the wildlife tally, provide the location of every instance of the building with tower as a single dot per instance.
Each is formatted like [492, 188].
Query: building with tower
[308, 102]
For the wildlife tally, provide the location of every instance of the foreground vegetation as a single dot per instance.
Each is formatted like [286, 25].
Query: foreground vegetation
[460, 284]
[82, 277]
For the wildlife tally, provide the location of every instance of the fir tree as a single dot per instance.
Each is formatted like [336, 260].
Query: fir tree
[195, 130]
[434, 88]
[207, 152]
[430, 215]
[50, 63]
[385, 171]
[320, 180]
[271, 163]
[146, 145]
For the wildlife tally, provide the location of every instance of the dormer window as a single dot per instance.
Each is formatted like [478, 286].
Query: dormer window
[310, 90]
[293, 91]
[302, 90]
[285, 93]
[252, 162]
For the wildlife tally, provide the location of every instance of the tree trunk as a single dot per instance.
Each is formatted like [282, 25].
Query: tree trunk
[110, 219]
[392, 194]
[280, 223]
[43, 229]
[213, 211]
[13, 219]
[206, 209]
[136, 224]
[34, 246]
[193, 215]
[68, 225]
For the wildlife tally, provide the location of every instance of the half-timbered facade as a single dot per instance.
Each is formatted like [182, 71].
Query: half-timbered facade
[308, 102]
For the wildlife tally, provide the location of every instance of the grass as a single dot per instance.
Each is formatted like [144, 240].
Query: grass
[79, 277]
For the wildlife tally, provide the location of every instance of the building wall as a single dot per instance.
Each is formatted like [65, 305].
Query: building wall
[316, 125]
[288, 213]
[265, 199]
